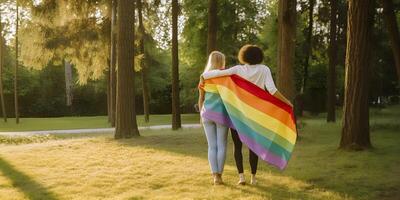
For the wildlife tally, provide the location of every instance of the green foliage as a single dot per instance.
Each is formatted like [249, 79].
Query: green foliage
[315, 92]
[157, 61]
[52, 32]
[269, 35]
[269, 41]
[239, 23]
[42, 92]
[25, 80]
[383, 80]
[77, 31]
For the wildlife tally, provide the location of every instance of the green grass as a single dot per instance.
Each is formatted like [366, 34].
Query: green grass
[60, 123]
[173, 165]
[383, 120]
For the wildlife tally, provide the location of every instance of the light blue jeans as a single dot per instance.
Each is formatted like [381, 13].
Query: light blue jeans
[216, 138]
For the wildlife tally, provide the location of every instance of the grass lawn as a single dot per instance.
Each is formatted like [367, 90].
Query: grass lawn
[173, 165]
[60, 123]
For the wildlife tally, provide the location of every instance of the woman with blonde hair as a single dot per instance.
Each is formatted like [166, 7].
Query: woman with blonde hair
[216, 133]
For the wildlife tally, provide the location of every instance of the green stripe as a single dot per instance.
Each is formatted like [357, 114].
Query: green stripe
[214, 102]
[265, 137]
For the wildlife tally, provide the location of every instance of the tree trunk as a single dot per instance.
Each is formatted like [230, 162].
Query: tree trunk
[145, 86]
[176, 116]
[68, 83]
[3, 106]
[16, 67]
[113, 60]
[286, 47]
[355, 131]
[107, 72]
[126, 125]
[108, 83]
[212, 26]
[393, 31]
[332, 51]
[308, 48]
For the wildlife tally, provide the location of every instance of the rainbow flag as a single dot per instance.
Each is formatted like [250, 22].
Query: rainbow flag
[264, 123]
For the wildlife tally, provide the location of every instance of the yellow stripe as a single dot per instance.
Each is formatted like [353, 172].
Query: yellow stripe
[211, 88]
[256, 115]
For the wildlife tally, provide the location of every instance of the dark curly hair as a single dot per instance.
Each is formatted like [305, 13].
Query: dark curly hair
[250, 54]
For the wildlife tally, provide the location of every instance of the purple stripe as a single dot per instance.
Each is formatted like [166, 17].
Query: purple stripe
[262, 152]
[218, 118]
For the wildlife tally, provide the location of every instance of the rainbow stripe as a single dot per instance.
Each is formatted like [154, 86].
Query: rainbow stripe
[264, 123]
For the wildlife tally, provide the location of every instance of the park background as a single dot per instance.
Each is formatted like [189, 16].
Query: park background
[58, 71]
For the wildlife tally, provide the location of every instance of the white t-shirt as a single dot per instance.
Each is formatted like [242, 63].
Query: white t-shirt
[258, 74]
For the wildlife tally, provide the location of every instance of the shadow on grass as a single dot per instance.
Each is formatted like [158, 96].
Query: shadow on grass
[272, 191]
[178, 142]
[195, 145]
[32, 189]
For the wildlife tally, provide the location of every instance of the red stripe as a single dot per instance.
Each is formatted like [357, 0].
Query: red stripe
[262, 94]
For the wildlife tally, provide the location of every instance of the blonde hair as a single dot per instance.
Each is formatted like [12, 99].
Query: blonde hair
[216, 60]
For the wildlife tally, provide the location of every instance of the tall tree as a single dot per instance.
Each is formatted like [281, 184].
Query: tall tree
[16, 66]
[393, 30]
[212, 26]
[113, 61]
[176, 114]
[332, 54]
[108, 83]
[308, 43]
[107, 72]
[3, 106]
[286, 47]
[355, 131]
[145, 85]
[68, 82]
[126, 125]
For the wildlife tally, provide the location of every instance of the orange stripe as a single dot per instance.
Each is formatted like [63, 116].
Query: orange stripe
[255, 102]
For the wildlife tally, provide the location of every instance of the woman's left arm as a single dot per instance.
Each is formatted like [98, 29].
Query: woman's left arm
[201, 99]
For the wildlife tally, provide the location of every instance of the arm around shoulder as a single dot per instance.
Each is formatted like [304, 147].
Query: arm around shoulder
[217, 73]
